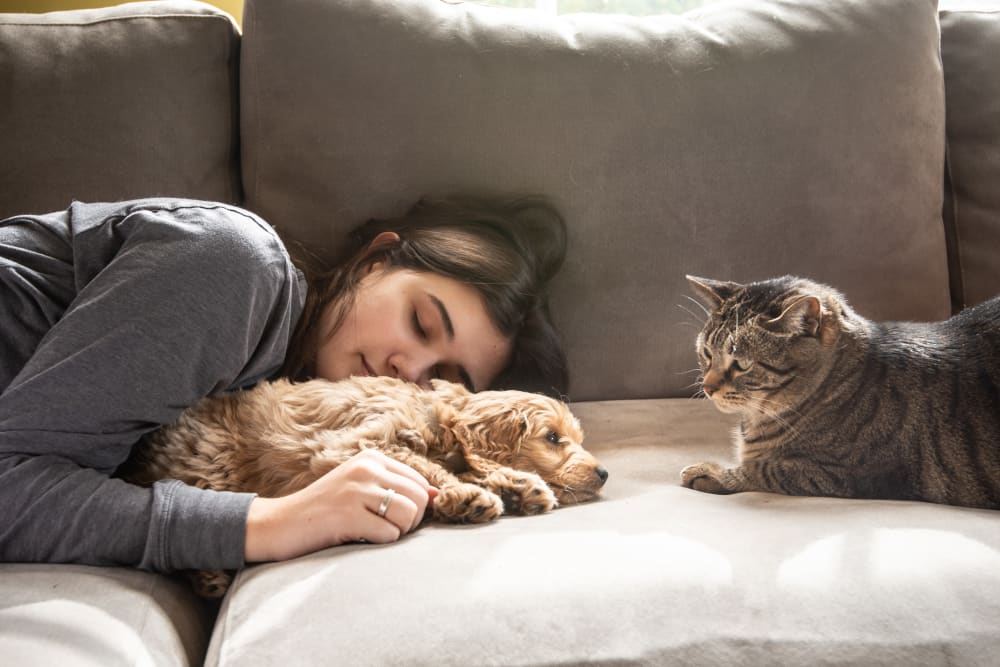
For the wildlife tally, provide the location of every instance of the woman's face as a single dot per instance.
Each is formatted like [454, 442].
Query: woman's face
[416, 326]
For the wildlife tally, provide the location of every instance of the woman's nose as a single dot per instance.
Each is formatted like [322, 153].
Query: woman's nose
[412, 367]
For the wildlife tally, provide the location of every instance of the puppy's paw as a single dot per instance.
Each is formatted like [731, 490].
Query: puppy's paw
[210, 583]
[467, 503]
[524, 492]
[705, 477]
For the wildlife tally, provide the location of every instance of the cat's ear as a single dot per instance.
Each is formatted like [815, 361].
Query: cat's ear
[712, 292]
[804, 317]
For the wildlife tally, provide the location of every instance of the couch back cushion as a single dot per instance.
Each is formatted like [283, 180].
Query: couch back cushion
[970, 43]
[129, 101]
[751, 139]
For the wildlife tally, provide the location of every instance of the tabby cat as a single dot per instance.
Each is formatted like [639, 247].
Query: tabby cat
[833, 404]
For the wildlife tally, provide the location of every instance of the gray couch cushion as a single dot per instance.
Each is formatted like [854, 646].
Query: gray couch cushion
[82, 616]
[751, 139]
[131, 101]
[970, 42]
[653, 574]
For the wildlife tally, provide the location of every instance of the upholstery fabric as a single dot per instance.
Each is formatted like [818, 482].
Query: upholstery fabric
[101, 617]
[747, 140]
[125, 102]
[652, 574]
[970, 41]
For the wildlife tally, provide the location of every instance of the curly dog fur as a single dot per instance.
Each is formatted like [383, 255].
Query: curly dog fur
[487, 452]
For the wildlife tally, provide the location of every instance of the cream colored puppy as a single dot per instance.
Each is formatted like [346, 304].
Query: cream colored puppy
[487, 452]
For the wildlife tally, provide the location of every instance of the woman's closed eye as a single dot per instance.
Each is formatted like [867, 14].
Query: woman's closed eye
[436, 372]
[418, 327]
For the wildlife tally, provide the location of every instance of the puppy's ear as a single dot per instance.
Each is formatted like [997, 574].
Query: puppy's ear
[452, 392]
[490, 431]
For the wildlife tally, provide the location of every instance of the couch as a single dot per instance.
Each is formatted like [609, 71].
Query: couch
[853, 141]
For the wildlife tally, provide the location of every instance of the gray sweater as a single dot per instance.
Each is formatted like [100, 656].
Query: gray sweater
[115, 317]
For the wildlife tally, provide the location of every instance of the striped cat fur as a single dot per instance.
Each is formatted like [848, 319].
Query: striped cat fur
[833, 404]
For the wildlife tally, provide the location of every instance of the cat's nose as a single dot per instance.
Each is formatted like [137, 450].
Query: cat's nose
[712, 383]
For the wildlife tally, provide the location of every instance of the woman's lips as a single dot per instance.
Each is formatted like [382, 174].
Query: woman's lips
[368, 369]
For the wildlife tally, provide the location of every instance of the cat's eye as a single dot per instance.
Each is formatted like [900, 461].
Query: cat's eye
[742, 365]
[705, 352]
[553, 437]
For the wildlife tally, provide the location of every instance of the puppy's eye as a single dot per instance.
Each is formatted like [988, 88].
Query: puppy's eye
[553, 437]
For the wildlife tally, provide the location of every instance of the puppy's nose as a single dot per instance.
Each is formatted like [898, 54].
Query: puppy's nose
[602, 473]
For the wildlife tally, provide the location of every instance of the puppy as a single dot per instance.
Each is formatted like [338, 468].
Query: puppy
[488, 452]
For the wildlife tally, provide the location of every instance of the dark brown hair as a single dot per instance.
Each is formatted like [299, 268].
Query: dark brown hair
[507, 247]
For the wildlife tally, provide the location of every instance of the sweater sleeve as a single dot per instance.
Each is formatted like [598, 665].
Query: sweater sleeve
[172, 301]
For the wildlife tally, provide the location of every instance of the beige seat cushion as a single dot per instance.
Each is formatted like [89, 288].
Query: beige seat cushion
[750, 140]
[652, 574]
[104, 617]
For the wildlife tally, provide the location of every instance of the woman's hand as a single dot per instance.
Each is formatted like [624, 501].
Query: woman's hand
[342, 506]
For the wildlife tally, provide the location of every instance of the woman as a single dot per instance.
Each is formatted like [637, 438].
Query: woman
[118, 316]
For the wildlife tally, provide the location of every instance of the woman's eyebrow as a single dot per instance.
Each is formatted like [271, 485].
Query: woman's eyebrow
[445, 317]
[449, 329]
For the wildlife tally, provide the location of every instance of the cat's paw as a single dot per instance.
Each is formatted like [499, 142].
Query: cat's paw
[466, 503]
[210, 583]
[705, 477]
[523, 492]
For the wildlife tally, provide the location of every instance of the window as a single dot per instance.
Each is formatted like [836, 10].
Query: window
[635, 7]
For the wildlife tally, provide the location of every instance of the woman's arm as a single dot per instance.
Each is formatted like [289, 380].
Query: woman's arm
[52, 510]
[174, 301]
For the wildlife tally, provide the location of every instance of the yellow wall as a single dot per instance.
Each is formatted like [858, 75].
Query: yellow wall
[234, 7]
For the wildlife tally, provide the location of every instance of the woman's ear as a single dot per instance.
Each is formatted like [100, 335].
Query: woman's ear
[382, 242]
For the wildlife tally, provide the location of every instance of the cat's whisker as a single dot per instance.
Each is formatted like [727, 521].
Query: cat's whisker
[686, 310]
[787, 409]
[699, 304]
[698, 321]
[776, 416]
[785, 426]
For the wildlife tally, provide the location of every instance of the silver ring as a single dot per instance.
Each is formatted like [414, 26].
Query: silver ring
[386, 500]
